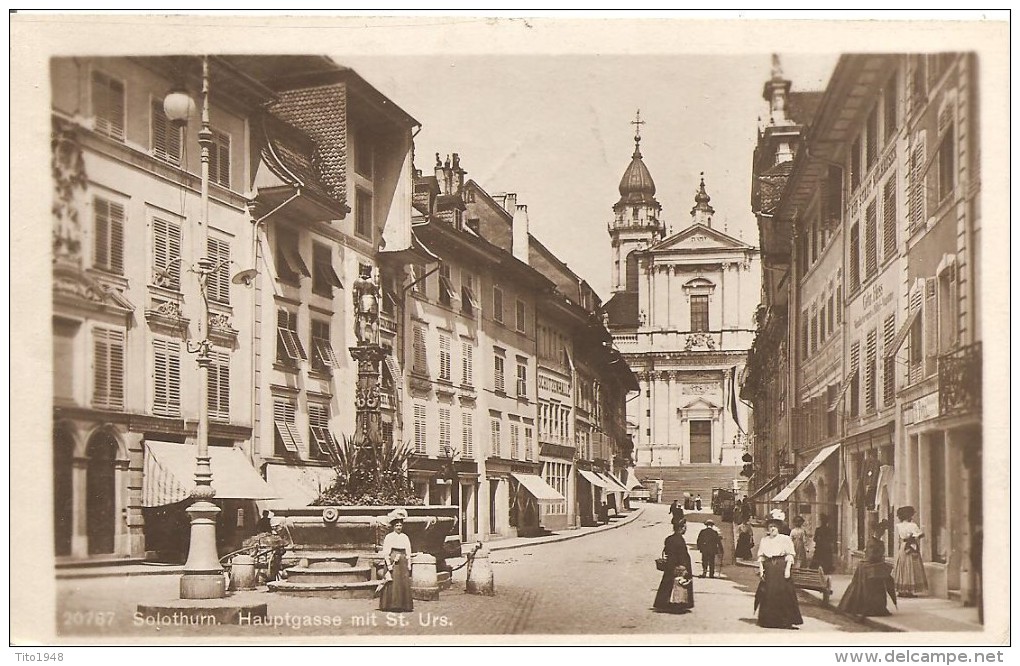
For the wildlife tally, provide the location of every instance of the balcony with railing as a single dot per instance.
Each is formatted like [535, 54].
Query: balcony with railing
[960, 381]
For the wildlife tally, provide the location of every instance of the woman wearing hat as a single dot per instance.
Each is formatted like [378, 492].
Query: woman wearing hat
[677, 565]
[776, 598]
[396, 549]
[909, 570]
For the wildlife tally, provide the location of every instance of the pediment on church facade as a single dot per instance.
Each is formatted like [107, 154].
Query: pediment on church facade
[699, 404]
[699, 238]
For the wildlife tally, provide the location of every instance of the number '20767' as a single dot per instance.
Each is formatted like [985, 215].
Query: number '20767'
[87, 618]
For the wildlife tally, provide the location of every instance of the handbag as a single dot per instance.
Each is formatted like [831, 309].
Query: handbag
[660, 563]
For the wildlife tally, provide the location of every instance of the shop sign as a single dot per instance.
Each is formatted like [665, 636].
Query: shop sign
[926, 407]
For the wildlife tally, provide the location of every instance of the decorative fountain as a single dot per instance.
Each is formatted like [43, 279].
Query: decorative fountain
[334, 542]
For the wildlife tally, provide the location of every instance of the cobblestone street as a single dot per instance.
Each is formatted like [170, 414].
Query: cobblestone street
[599, 584]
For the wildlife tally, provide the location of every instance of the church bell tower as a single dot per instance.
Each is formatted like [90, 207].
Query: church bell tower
[636, 223]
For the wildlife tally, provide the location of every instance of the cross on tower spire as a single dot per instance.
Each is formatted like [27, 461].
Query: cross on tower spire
[637, 123]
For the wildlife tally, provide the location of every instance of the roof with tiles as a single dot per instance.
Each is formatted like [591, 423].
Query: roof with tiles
[622, 309]
[321, 112]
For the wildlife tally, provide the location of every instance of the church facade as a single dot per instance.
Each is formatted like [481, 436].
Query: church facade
[682, 312]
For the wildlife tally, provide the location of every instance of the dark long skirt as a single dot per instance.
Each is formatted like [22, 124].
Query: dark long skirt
[744, 544]
[776, 597]
[396, 594]
[866, 594]
[663, 593]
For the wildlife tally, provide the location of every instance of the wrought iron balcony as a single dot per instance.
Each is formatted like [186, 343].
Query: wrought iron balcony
[960, 380]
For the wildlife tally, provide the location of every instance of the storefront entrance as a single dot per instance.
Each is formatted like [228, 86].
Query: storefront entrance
[101, 493]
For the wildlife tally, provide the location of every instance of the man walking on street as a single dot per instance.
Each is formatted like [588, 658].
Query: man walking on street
[710, 545]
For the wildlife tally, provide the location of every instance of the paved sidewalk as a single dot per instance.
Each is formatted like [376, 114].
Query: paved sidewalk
[562, 535]
[913, 614]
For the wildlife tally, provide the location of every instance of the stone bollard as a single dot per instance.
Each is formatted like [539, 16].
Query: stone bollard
[242, 572]
[479, 574]
[424, 581]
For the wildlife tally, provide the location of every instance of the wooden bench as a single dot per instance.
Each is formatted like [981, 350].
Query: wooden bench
[812, 579]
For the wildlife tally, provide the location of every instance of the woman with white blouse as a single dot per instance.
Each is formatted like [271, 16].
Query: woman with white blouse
[909, 570]
[776, 598]
[396, 551]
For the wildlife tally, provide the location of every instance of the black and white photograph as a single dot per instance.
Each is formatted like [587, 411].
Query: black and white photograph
[478, 329]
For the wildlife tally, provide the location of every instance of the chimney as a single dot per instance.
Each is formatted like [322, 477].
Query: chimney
[520, 230]
[510, 203]
[440, 174]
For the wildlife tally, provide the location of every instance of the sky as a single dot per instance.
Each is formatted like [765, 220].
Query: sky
[556, 129]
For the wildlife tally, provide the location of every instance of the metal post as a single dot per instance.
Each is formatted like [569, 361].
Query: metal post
[203, 575]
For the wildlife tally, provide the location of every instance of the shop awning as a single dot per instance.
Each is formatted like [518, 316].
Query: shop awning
[539, 489]
[612, 484]
[169, 474]
[296, 485]
[593, 478]
[769, 485]
[632, 480]
[823, 455]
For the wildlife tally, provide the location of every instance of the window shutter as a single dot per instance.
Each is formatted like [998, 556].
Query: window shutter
[108, 369]
[889, 218]
[871, 240]
[855, 256]
[420, 442]
[467, 434]
[218, 397]
[166, 138]
[931, 328]
[108, 105]
[100, 369]
[284, 412]
[444, 431]
[917, 186]
[101, 240]
[444, 357]
[889, 362]
[419, 355]
[166, 378]
[159, 378]
[871, 353]
[467, 362]
[219, 282]
[166, 246]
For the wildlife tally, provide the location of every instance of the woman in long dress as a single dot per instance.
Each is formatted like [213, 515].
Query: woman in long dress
[674, 550]
[745, 541]
[909, 570]
[872, 581]
[776, 598]
[799, 536]
[824, 545]
[396, 549]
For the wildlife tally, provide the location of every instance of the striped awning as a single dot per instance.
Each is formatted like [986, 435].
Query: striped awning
[538, 488]
[168, 474]
[823, 455]
[613, 484]
[593, 478]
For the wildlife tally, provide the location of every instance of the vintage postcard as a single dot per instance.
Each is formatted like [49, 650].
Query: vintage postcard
[477, 329]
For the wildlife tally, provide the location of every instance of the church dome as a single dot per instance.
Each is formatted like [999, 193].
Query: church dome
[637, 185]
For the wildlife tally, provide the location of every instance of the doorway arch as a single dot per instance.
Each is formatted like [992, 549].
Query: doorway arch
[63, 489]
[101, 493]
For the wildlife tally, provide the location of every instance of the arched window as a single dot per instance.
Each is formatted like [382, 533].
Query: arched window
[632, 271]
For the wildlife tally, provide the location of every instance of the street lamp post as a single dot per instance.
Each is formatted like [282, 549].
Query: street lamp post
[203, 575]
